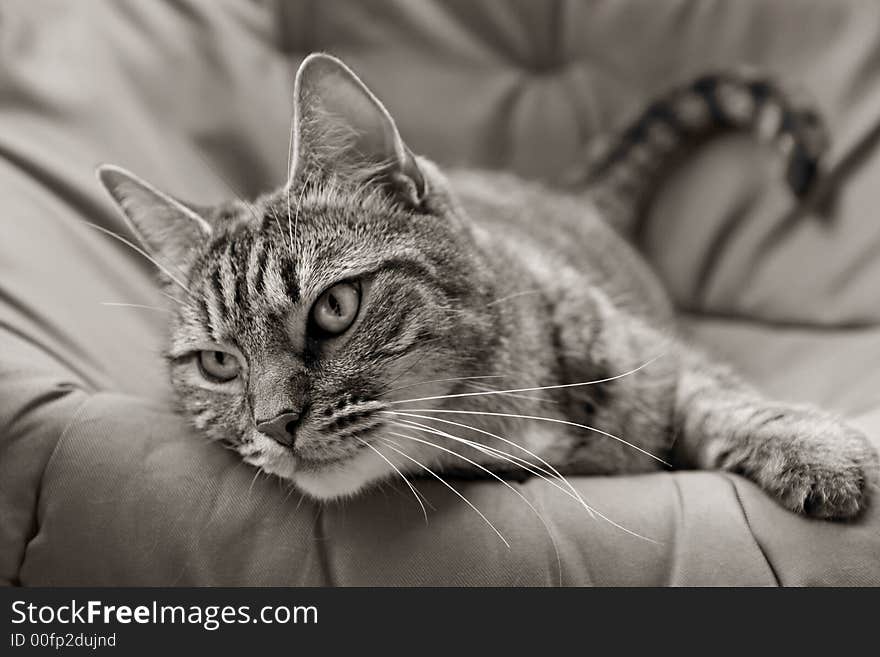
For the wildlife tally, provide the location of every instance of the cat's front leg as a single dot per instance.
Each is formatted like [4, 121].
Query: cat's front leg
[809, 460]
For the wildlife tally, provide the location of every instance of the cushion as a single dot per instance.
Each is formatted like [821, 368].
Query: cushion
[103, 484]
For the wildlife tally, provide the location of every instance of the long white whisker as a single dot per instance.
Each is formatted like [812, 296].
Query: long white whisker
[529, 467]
[278, 222]
[556, 472]
[291, 489]
[512, 296]
[546, 419]
[406, 370]
[290, 155]
[506, 483]
[139, 250]
[119, 304]
[397, 470]
[450, 487]
[172, 298]
[553, 387]
[514, 395]
[299, 201]
[254, 480]
[592, 511]
[455, 378]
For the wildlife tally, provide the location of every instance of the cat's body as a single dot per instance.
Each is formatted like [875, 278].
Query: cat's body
[559, 273]
[376, 317]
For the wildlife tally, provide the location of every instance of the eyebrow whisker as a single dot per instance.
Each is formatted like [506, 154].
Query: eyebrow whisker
[138, 250]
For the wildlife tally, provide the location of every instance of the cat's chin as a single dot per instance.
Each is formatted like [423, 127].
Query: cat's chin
[322, 480]
[343, 478]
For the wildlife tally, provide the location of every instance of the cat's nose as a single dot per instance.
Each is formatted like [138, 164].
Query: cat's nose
[281, 429]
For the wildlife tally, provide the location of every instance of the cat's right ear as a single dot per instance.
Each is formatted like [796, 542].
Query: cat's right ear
[167, 227]
[341, 128]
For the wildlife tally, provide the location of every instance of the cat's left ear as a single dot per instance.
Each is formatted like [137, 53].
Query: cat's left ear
[167, 227]
[341, 128]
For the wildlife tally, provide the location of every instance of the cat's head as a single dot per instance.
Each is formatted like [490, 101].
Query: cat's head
[300, 316]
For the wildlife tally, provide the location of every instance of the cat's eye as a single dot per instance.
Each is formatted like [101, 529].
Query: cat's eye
[218, 366]
[336, 309]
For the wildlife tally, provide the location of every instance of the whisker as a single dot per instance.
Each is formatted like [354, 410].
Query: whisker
[278, 223]
[450, 487]
[291, 489]
[514, 395]
[529, 467]
[299, 201]
[277, 219]
[556, 472]
[409, 367]
[422, 383]
[119, 304]
[546, 419]
[289, 167]
[512, 296]
[553, 387]
[506, 483]
[405, 371]
[397, 470]
[139, 250]
[592, 511]
[290, 154]
[524, 464]
[254, 480]
[172, 298]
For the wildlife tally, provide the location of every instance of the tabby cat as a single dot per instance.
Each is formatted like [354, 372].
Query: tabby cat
[379, 318]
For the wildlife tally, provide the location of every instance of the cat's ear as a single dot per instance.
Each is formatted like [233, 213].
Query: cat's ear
[167, 227]
[341, 128]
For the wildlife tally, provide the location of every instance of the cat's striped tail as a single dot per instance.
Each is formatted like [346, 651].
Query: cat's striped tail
[623, 175]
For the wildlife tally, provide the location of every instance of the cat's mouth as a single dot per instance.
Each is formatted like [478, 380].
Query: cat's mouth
[324, 470]
[341, 475]
[314, 459]
[312, 464]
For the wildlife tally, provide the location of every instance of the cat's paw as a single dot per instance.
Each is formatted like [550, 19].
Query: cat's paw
[812, 463]
[820, 489]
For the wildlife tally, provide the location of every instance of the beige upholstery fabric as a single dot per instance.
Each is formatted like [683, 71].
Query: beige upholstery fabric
[101, 484]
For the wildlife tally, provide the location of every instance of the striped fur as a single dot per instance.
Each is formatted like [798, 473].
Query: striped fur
[625, 169]
[470, 284]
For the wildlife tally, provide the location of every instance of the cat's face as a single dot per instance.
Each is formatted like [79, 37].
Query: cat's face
[317, 338]
[299, 317]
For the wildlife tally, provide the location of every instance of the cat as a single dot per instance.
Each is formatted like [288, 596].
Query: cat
[378, 318]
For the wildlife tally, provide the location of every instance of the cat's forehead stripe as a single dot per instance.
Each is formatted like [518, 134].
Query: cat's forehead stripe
[240, 257]
[227, 271]
[255, 264]
[250, 276]
[245, 277]
[274, 284]
[213, 312]
[219, 288]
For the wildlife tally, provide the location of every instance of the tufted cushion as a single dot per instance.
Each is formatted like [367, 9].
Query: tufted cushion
[102, 484]
[526, 85]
